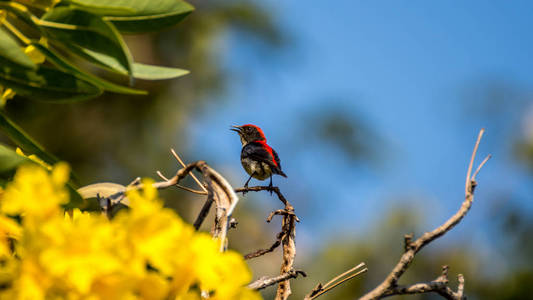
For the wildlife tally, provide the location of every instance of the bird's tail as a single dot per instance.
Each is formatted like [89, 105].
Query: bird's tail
[280, 172]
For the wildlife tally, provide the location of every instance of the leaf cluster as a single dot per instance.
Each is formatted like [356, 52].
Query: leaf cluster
[45, 44]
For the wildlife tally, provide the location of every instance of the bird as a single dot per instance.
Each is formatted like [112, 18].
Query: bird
[258, 159]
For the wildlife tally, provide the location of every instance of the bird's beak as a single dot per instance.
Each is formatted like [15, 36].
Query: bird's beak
[236, 129]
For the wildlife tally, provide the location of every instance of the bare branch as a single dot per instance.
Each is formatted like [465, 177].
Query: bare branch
[261, 252]
[264, 282]
[390, 284]
[274, 189]
[204, 211]
[408, 242]
[439, 286]
[461, 287]
[288, 227]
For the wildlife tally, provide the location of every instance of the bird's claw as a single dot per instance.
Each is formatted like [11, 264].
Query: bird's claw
[245, 189]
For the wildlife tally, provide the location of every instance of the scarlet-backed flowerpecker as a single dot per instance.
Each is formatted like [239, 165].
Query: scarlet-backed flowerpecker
[258, 159]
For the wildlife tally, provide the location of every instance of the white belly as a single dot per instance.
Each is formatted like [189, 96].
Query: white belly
[258, 170]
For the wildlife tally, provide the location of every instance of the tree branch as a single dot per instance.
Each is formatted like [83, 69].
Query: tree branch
[261, 252]
[287, 235]
[439, 286]
[390, 282]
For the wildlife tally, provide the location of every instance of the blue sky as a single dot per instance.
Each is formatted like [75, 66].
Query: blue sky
[407, 68]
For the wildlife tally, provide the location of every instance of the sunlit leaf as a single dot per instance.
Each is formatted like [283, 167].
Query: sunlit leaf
[63, 64]
[9, 49]
[136, 16]
[88, 36]
[150, 72]
[141, 71]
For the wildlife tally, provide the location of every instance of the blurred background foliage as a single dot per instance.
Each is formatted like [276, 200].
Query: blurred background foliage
[330, 147]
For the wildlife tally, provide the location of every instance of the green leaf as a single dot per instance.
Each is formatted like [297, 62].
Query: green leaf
[10, 50]
[45, 84]
[64, 65]
[87, 35]
[143, 71]
[24, 141]
[150, 72]
[137, 16]
[10, 160]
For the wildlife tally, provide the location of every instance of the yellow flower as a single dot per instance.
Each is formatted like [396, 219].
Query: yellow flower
[153, 286]
[157, 234]
[79, 251]
[34, 193]
[145, 252]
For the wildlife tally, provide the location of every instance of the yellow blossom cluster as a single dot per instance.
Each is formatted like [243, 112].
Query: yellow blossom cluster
[145, 252]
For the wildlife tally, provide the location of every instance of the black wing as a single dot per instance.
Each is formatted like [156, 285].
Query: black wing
[259, 152]
[276, 158]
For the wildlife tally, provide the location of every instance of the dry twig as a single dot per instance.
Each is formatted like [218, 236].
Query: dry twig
[261, 252]
[390, 284]
[181, 186]
[439, 285]
[320, 289]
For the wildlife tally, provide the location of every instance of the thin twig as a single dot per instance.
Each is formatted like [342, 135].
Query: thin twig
[261, 252]
[480, 166]
[344, 274]
[178, 158]
[161, 175]
[471, 164]
[329, 288]
[181, 186]
[339, 279]
[274, 189]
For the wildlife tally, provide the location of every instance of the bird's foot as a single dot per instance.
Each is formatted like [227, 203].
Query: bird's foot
[245, 189]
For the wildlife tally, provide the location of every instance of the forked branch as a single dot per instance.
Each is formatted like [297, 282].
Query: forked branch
[285, 238]
[390, 285]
